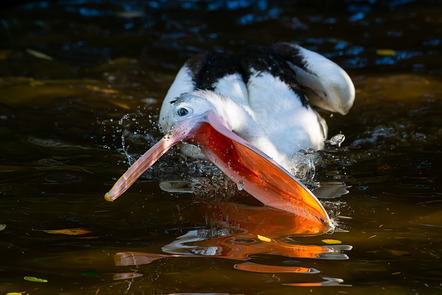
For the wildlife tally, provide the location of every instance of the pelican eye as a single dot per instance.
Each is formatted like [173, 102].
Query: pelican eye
[182, 112]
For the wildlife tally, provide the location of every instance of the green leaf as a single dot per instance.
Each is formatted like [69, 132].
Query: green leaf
[34, 279]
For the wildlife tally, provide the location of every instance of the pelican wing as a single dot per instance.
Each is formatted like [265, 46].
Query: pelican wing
[312, 78]
[326, 84]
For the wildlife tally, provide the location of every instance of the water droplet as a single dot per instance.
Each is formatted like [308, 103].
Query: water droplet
[240, 185]
[337, 140]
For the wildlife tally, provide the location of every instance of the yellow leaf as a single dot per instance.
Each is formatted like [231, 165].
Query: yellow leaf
[69, 231]
[15, 293]
[331, 241]
[385, 52]
[2, 227]
[264, 239]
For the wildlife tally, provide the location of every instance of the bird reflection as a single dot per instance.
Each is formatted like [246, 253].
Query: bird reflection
[238, 232]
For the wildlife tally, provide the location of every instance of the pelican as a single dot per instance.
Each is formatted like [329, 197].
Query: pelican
[249, 114]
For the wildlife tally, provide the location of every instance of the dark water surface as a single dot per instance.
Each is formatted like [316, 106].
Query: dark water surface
[81, 83]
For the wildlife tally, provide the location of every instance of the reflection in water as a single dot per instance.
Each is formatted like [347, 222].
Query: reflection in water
[240, 233]
[260, 268]
[126, 276]
[326, 283]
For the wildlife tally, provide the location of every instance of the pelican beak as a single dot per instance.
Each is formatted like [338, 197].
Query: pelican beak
[179, 132]
[243, 163]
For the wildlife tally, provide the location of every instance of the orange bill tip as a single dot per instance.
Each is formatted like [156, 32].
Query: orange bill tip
[107, 197]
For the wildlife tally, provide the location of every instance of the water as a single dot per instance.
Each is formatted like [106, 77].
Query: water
[80, 89]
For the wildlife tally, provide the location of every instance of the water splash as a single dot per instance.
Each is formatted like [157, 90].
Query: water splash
[336, 140]
[240, 185]
[131, 135]
[303, 165]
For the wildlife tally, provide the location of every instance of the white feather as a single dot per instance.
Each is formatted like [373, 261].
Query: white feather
[287, 124]
[183, 83]
[330, 88]
[233, 86]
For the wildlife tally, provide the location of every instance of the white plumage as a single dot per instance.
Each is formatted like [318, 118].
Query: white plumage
[262, 108]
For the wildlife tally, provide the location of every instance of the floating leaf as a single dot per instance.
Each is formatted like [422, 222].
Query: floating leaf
[38, 54]
[331, 241]
[264, 239]
[2, 227]
[16, 293]
[34, 279]
[69, 231]
[385, 52]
